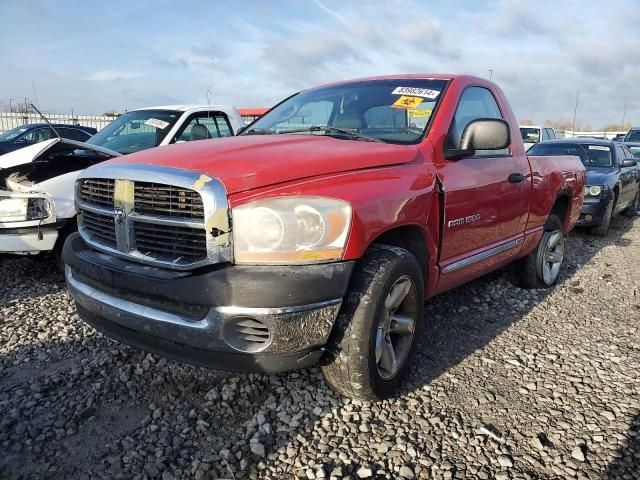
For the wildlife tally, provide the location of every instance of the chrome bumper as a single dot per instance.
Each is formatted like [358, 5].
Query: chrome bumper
[292, 329]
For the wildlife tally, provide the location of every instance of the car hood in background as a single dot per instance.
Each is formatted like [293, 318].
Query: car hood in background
[33, 152]
[252, 161]
[601, 176]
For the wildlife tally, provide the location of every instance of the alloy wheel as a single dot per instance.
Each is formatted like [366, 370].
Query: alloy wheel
[553, 257]
[396, 327]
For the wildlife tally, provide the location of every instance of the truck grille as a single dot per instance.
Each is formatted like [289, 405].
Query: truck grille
[149, 222]
[98, 192]
[100, 227]
[169, 243]
[167, 200]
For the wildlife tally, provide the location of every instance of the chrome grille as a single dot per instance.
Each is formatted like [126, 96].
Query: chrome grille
[167, 200]
[178, 220]
[97, 192]
[169, 243]
[100, 227]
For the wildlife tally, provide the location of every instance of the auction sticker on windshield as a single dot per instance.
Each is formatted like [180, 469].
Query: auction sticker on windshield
[416, 92]
[426, 113]
[154, 122]
[407, 102]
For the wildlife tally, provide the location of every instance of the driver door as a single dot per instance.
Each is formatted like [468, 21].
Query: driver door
[484, 197]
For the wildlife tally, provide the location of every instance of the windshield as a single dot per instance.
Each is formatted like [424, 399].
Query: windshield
[632, 136]
[135, 131]
[530, 135]
[393, 111]
[12, 134]
[590, 155]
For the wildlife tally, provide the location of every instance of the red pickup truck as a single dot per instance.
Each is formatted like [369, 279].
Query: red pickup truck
[317, 234]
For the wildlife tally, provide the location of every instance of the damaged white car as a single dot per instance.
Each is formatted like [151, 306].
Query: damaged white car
[37, 211]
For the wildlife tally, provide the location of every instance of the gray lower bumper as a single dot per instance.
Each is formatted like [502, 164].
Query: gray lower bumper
[291, 329]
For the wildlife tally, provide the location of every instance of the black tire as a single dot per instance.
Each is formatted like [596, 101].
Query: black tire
[350, 366]
[529, 271]
[603, 229]
[632, 210]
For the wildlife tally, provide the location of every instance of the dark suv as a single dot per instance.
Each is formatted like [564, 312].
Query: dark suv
[33, 133]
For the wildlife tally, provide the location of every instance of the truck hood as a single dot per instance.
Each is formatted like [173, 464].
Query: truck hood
[600, 176]
[253, 161]
[33, 152]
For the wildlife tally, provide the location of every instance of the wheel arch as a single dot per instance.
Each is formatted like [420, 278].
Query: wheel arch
[412, 239]
[561, 207]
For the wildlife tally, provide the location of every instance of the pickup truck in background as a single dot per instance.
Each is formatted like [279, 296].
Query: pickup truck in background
[317, 234]
[37, 182]
[632, 141]
[532, 134]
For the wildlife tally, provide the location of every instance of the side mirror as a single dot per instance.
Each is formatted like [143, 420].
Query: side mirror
[241, 129]
[628, 162]
[482, 134]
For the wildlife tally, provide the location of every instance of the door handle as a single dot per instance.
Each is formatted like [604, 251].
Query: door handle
[516, 178]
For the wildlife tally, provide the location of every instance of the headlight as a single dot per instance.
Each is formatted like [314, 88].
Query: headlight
[23, 209]
[291, 230]
[13, 209]
[592, 191]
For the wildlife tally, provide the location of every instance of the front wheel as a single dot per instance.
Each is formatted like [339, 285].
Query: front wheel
[376, 331]
[603, 229]
[541, 268]
[632, 210]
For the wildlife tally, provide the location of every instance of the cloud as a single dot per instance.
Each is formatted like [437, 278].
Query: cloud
[112, 75]
[541, 53]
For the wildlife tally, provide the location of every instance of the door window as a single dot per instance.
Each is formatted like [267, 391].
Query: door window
[82, 135]
[38, 135]
[205, 125]
[70, 133]
[475, 103]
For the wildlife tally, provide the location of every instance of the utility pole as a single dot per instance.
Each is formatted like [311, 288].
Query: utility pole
[575, 110]
[490, 73]
[624, 114]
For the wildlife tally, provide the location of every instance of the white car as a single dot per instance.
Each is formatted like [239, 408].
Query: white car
[37, 182]
[532, 134]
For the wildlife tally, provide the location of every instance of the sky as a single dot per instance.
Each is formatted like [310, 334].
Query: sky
[100, 56]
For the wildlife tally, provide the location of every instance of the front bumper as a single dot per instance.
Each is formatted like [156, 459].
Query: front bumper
[197, 317]
[592, 212]
[28, 243]
[30, 240]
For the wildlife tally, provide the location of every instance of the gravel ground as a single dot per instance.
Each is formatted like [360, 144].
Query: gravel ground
[507, 384]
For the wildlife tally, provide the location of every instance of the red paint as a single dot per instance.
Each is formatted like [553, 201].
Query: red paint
[397, 185]
[252, 112]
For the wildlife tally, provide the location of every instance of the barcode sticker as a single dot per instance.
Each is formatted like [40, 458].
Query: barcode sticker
[416, 92]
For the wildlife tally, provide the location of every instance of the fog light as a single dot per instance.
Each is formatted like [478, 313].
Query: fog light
[588, 218]
[245, 334]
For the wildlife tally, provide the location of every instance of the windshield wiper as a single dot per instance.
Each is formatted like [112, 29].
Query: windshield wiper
[326, 128]
[259, 131]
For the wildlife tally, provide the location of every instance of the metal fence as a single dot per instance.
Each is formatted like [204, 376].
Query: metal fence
[12, 120]
[596, 134]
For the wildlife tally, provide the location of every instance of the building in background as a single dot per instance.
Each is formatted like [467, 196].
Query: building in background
[251, 114]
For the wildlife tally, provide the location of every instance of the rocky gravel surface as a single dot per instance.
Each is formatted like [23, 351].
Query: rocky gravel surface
[507, 384]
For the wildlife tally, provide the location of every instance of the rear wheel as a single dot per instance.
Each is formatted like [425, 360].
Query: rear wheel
[632, 210]
[376, 331]
[541, 268]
